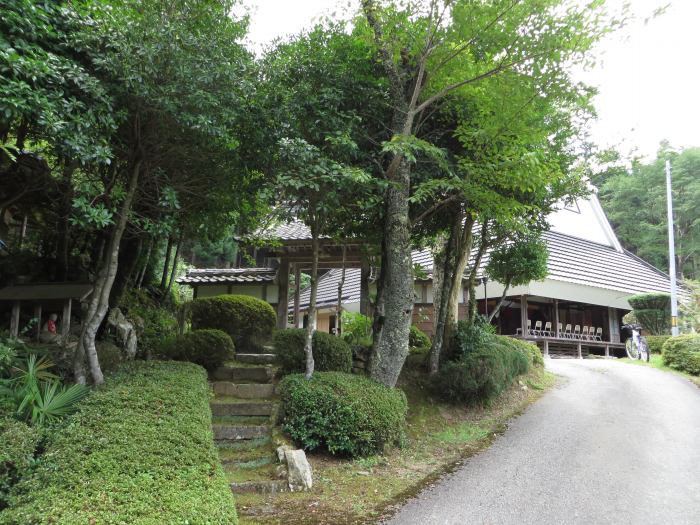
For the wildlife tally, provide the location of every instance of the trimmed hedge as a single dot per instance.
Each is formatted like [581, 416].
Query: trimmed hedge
[530, 350]
[343, 413]
[683, 353]
[656, 342]
[482, 374]
[653, 311]
[242, 317]
[139, 450]
[18, 442]
[209, 348]
[331, 353]
[418, 340]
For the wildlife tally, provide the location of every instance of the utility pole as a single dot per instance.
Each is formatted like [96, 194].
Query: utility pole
[671, 252]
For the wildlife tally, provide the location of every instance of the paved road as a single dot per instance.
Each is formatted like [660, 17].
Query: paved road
[614, 443]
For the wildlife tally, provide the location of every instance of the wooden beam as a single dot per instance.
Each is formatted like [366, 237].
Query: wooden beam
[546, 348]
[613, 325]
[282, 293]
[523, 315]
[37, 316]
[65, 319]
[14, 319]
[579, 350]
[365, 271]
[607, 350]
[297, 292]
[556, 317]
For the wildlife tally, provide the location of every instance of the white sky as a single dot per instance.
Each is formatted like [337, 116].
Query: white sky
[648, 75]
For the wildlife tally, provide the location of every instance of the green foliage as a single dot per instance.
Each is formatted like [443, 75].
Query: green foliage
[242, 317]
[145, 440]
[19, 443]
[418, 341]
[471, 336]
[519, 262]
[656, 343]
[343, 413]
[159, 323]
[683, 353]
[482, 374]
[530, 350]
[356, 328]
[331, 353]
[208, 347]
[653, 311]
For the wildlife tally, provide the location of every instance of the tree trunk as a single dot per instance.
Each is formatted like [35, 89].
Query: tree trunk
[144, 269]
[129, 253]
[174, 268]
[471, 284]
[493, 314]
[166, 263]
[311, 324]
[99, 300]
[438, 251]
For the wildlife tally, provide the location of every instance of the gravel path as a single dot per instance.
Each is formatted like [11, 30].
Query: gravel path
[613, 443]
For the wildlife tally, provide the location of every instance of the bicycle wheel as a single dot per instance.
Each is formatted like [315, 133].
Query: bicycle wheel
[643, 350]
[631, 349]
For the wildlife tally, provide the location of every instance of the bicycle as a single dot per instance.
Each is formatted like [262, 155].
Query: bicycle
[636, 346]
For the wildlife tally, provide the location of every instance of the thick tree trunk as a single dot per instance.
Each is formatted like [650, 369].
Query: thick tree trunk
[128, 258]
[441, 294]
[166, 296]
[311, 324]
[166, 263]
[99, 300]
[438, 252]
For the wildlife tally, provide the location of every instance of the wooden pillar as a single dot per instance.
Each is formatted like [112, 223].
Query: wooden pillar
[523, 315]
[607, 350]
[556, 318]
[578, 350]
[37, 316]
[65, 319]
[546, 348]
[14, 320]
[297, 292]
[364, 287]
[613, 325]
[282, 293]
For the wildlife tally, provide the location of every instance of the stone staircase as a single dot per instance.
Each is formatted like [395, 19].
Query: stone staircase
[244, 410]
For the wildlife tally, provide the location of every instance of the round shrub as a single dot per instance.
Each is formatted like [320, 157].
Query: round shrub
[209, 348]
[19, 442]
[242, 317]
[656, 343]
[683, 353]
[653, 311]
[482, 374]
[471, 336]
[530, 350]
[343, 413]
[418, 340]
[331, 353]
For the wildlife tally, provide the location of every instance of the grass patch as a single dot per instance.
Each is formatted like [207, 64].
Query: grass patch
[439, 437]
[656, 361]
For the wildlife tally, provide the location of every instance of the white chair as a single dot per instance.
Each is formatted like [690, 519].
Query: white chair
[599, 334]
[538, 328]
[577, 332]
[547, 332]
[584, 332]
[560, 330]
[567, 332]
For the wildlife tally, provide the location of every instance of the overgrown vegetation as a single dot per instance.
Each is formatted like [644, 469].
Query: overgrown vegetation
[139, 450]
[331, 353]
[244, 318]
[19, 443]
[656, 343]
[683, 353]
[343, 413]
[653, 311]
[208, 347]
[418, 341]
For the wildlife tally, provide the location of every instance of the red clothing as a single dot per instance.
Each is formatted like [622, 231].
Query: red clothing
[51, 326]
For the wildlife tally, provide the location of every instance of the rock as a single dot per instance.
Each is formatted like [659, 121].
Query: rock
[125, 330]
[298, 471]
[281, 450]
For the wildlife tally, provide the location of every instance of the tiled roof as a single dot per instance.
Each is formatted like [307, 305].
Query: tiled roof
[288, 231]
[327, 294]
[571, 259]
[228, 276]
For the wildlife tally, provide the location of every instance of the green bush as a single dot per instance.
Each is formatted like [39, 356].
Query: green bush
[530, 350]
[470, 336]
[653, 311]
[331, 354]
[683, 353]
[343, 413]
[139, 450]
[418, 341]
[19, 442]
[656, 342]
[159, 323]
[483, 373]
[356, 328]
[242, 317]
[208, 347]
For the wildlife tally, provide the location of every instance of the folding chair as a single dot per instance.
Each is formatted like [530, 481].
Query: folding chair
[577, 332]
[584, 332]
[567, 332]
[547, 332]
[538, 328]
[599, 334]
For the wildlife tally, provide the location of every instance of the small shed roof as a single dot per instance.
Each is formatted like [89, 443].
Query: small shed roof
[228, 276]
[45, 291]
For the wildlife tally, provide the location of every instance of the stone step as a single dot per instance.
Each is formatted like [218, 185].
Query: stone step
[243, 390]
[242, 409]
[239, 432]
[257, 359]
[257, 374]
[260, 487]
